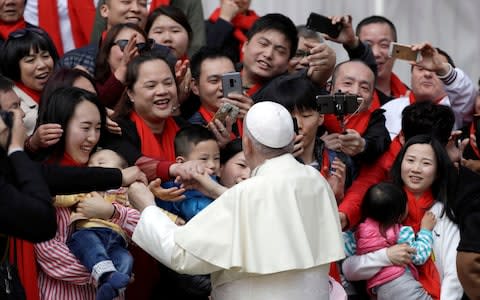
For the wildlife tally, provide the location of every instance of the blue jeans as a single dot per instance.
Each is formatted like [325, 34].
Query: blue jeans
[94, 245]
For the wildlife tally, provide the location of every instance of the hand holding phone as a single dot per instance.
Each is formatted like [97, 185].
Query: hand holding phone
[403, 52]
[225, 110]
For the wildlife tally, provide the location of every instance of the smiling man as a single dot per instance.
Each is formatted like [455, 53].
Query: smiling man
[435, 78]
[272, 42]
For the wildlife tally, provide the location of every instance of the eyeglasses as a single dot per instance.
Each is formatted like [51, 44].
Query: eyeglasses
[23, 32]
[142, 47]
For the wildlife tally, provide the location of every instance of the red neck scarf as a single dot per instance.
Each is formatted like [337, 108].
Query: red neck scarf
[241, 22]
[35, 95]
[81, 15]
[397, 88]
[27, 266]
[324, 166]
[428, 273]
[68, 161]
[208, 116]
[412, 98]
[472, 144]
[157, 3]
[253, 89]
[359, 122]
[158, 146]
[7, 28]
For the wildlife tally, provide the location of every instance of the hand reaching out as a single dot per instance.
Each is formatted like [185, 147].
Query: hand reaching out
[172, 194]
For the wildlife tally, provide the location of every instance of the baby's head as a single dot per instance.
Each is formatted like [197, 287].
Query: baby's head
[106, 158]
[385, 203]
[196, 142]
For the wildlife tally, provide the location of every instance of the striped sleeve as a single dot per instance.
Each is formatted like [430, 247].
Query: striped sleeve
[422, 243]
[127, 218]
[54, 257]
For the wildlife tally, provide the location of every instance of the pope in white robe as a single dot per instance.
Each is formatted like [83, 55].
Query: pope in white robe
[271, 236]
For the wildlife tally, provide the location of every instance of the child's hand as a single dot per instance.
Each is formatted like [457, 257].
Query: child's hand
[95, 206]
[171, 194]
[428, 221]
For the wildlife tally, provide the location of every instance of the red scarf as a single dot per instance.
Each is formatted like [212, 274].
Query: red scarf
[428, 273]
[324, 167]
[27, 266]
[241, 23]
[35, 95]
[359, 122]
[253, 89]
[159, 146]
[81, 15]
[208, 116]
[472, 144]
[412, 98]
[157, 3]
[397, 88]
[7, 28]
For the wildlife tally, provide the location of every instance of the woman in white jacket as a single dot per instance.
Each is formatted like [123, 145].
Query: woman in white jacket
[422, 168]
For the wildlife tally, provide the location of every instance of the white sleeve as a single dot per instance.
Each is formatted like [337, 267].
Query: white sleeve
[363, 267]
[445, 241]
[461, 94]
[155, 234]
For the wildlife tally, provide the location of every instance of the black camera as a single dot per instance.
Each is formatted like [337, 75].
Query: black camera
[7, 117]
[338, 104]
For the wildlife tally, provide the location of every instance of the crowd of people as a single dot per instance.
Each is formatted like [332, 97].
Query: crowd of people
[128, 172]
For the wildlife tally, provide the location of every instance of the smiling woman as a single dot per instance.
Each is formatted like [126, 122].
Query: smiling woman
[145, 111]
[28, 57]
[82, 117]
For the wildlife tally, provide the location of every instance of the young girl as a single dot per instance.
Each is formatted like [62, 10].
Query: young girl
[385, 207]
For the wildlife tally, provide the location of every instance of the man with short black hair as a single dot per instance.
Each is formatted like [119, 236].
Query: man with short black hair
[379, 32]
[271, 43]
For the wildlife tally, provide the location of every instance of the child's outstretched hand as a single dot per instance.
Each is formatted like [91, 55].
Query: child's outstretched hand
[428, 221]
[171, 194]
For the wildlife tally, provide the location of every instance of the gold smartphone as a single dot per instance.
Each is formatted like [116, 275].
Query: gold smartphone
[402, 51]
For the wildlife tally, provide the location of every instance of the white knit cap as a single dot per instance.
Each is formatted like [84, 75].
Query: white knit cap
[270, 124]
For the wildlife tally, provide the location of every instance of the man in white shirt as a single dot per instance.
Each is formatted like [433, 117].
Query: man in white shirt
[272, 236]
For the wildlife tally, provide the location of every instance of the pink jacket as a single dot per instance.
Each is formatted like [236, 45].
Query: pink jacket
[370, 239]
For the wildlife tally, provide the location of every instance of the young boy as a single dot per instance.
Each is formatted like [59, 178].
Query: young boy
[194, 142]
[101, 245]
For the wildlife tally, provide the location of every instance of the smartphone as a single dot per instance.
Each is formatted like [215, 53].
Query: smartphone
[225, 110]
[323, 24]
[231, 83]
[404, 52]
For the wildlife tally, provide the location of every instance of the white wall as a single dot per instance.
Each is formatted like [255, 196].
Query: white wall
[449, 24]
